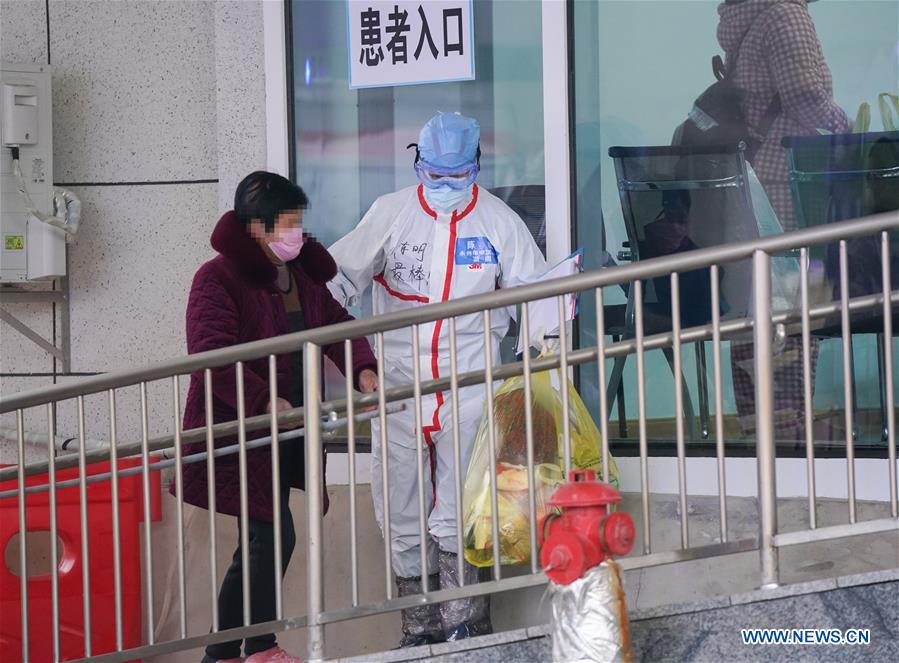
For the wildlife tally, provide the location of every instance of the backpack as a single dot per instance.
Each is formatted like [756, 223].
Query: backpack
[717, 116]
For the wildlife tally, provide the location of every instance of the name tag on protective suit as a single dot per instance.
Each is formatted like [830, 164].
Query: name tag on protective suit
[475, 251]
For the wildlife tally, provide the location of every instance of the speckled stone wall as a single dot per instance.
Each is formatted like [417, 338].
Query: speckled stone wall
[240, 94]
[158, 111]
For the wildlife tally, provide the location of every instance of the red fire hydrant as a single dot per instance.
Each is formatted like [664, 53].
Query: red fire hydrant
[585, 533]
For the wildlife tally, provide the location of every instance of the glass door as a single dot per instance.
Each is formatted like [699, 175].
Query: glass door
[349, 146]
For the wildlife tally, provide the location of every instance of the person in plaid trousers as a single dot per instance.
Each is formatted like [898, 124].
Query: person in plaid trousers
[778, 56]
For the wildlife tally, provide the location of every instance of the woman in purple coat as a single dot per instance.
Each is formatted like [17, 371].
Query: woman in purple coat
[268, 280]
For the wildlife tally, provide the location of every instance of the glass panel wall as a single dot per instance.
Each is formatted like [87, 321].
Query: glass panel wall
[638, 68]
[350, 145]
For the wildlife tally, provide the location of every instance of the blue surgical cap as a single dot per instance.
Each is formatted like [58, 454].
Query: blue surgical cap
[449, 141]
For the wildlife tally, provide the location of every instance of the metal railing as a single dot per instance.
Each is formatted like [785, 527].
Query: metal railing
[318, 416]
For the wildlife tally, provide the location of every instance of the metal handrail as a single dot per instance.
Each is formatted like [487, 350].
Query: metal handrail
[187, 459]
[644, 269]
[315, 414]
[296, 416]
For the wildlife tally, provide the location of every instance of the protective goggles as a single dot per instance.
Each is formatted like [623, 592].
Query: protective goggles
[434, 177]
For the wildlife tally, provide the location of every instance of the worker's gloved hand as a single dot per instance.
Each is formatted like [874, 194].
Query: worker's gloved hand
[550, 345]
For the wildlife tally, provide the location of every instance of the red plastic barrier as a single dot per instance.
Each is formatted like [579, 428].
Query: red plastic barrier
[71, 606]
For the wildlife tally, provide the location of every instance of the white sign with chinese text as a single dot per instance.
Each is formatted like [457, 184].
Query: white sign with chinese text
[392, 42]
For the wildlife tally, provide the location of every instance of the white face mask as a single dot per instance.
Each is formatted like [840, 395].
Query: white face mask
[446, 199]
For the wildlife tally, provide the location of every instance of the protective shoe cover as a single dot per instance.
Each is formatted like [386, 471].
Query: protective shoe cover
[463, 618]
[421, 624]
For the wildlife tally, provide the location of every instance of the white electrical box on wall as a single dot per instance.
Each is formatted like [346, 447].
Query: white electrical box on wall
[30, 249]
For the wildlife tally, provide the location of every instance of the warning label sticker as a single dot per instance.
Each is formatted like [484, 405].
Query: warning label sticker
[14, 242]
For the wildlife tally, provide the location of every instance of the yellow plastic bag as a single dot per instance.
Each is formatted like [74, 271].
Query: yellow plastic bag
[511, 465]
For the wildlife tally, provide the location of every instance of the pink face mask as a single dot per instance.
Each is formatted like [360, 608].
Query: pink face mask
[288, 245]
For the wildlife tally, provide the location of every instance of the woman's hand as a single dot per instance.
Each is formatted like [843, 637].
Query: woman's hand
[368, 381]
[280, 405]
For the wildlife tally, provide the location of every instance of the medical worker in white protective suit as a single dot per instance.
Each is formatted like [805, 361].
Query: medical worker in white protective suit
[442, 239]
